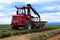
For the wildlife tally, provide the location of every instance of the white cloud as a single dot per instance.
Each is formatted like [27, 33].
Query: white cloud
[2, 14]
[5, 20]
[8, 14]
[11, 13]
[51, 7]
[8, 1]
[1, 7]
[11, 1]
[51, 17]
[26, 1]
[38, 1]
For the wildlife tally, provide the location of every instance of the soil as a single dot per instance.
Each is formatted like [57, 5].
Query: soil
[26, 36]
[23, 36]
[56, 37]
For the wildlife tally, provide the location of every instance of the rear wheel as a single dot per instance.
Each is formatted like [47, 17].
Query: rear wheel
[41, 25]
[28, 25]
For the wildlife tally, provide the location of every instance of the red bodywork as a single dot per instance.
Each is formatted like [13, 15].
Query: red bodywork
[20, 19]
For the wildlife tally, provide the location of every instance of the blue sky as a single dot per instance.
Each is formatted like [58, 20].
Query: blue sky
[49, 10]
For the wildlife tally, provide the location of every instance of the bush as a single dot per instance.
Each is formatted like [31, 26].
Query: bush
[6, 31]
[44, 36]
[5, 34]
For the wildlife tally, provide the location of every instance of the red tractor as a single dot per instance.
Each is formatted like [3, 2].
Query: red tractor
[23, 18]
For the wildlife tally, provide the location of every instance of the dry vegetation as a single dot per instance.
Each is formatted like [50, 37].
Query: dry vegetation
[6, 31]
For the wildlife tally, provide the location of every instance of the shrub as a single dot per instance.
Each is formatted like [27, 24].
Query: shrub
[4, 34]
[6, 31]
[44, 36]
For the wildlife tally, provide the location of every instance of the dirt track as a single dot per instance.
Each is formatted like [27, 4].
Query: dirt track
[22, 37]
[54, 37]
[26, 36]
[19, 37]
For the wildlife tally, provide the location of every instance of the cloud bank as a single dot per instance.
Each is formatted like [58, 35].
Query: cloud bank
[49, 10]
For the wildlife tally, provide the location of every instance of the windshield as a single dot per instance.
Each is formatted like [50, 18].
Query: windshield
[20, 11]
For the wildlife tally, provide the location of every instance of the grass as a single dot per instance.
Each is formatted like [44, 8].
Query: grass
[8, 27]
[52, 26]
[6, 31]
[45, 35]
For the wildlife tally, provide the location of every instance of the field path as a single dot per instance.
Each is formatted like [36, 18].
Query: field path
[17, 37]
[54, 37]
[26, 36]
[23, 36]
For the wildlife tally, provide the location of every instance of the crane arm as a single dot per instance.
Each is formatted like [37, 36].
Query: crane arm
[35, 12]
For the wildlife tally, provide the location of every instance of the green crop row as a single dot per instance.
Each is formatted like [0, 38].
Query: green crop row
[8, 27]
[45, 35]
[18, 32]
[6, 31]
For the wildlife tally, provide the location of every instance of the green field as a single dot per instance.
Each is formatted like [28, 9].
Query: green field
[45, 35]
[5, 30]
[48, 26]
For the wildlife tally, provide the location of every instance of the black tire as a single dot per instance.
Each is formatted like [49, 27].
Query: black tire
[28, 25]
[14, 27]
[39, 26]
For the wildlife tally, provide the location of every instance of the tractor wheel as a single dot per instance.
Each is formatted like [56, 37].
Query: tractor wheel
[39, 26]
[28, 25]
[14, 27]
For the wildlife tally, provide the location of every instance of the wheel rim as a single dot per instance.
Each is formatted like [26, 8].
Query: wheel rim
[29, 27]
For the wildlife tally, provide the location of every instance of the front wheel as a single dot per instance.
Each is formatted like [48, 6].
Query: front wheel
[28, 25]
[14, 27]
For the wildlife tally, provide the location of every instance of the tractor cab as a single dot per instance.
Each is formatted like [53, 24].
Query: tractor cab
[20, 10]
[20, 17]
